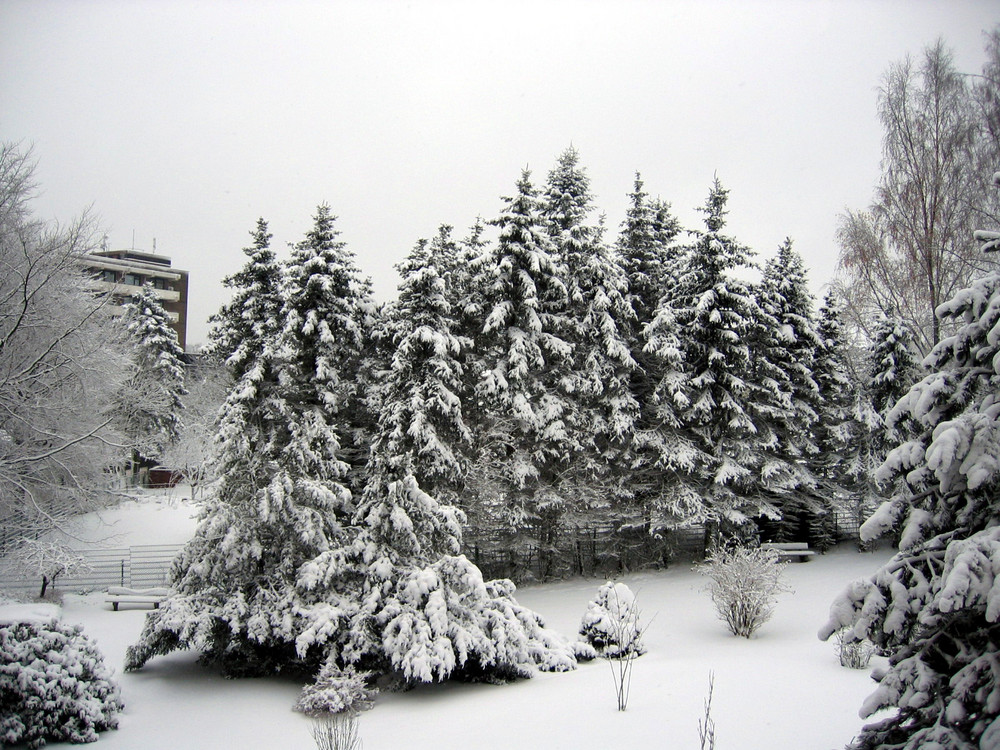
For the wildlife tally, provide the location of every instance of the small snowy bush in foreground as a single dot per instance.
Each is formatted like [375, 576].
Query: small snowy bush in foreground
[611, 622]
[53, 685]
[745, 585]
[611, 629]
[336, 691]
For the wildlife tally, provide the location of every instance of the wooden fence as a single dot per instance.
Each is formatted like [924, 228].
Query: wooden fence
[596, 549]
[580, 550]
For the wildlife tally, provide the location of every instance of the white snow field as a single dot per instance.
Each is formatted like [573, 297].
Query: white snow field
[781, 689]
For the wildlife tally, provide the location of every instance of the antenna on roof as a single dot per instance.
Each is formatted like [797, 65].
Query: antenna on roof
[133, 239]
[154, 246]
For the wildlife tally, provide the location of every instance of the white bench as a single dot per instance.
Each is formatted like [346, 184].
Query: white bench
[799, 550]
[122, 595]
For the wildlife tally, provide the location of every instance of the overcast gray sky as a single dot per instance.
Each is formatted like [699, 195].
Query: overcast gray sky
[185, 121]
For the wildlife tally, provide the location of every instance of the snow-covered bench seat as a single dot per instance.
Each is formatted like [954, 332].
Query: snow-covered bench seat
[122, 595]
[798, 550]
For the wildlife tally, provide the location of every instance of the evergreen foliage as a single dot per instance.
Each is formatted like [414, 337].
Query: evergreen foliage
[252, 319]
[54, 685]
[328, 316]
[891, 370]
[837, 464]
[721, 408]
[935, 606]
[421, 429]
[599, 317]
[528, 424]
[151, 401]
[287, 574]
[652, 262]
[611, 623]
[281, 498]
[647, 250]
[789, 346]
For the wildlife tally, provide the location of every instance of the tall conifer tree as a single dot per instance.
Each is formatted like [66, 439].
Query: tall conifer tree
[151, 399]
[788, 350]
[599, 317]
[720, 412]
[251, 320]
[528, 425]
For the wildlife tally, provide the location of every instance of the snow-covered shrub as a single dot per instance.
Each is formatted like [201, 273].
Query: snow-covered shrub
[745, 585]
[611, 622]
[340, 732]
[336, 691]
[54, 685]
[610, 628]
[853, 652]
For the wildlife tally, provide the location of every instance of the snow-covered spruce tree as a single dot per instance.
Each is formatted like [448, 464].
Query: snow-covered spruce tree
[151, 403]
[54, 685]
[527, 424]
[611, 623]
[935, 605]
[599, 317]
[251, 319]
[328, 316]
[720, 413]
[423, 612]
[837, 434]
[281, 498]
[892, 367]
[789, 345]
[647, 250]
[653, 262]
[891, 370]
[421, 428]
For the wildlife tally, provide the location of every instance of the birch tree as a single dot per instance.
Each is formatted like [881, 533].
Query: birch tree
[909, 250]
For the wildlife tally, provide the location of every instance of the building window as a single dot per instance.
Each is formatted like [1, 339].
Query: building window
[133, 279]
[160, 284]
[109, 276]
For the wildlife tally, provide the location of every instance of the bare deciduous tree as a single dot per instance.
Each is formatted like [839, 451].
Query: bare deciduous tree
[46, 560]
[910, 250]
[60, 360]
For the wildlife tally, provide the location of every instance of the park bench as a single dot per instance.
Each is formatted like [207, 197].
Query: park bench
[798, 550]
[122, 595]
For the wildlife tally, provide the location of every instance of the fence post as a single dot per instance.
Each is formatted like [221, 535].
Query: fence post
[123, 572]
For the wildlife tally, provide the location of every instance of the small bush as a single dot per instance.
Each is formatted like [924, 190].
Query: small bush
[336, 691]
[611, 622]
[853, 653]
[610, 628]
[53, 685]
[745, 585]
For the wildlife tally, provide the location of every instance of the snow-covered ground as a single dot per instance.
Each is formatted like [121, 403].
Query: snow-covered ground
[782, 689]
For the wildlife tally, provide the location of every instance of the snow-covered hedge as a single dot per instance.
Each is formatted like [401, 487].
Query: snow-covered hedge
[54, 685]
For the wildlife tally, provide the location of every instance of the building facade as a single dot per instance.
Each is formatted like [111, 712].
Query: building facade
[117, 270]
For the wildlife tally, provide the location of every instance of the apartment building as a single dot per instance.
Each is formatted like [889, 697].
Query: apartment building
[117, 270]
